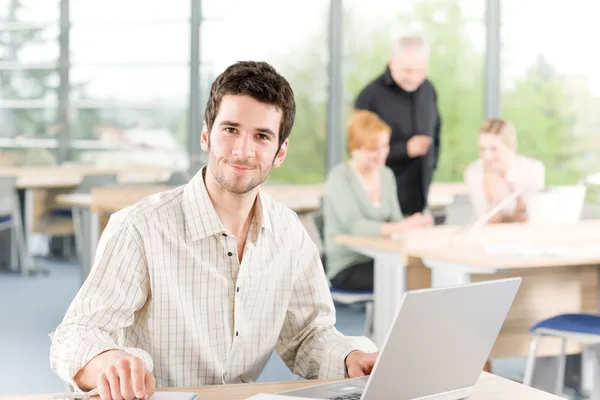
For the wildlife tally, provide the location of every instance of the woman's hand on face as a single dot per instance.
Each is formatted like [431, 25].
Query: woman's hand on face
[506, 156]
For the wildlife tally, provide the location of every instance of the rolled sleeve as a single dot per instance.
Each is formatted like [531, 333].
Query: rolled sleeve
[334, 364]
[104, 308]
[309, 343]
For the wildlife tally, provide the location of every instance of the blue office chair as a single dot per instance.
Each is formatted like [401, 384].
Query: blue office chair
[581, 328]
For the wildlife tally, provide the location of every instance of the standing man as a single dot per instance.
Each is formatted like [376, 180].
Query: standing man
[198, 285]
[407, 102]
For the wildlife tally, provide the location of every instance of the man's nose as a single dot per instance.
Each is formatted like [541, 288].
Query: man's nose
[243, 146]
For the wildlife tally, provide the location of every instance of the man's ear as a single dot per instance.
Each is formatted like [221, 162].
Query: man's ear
[204, 138]
[281, 154]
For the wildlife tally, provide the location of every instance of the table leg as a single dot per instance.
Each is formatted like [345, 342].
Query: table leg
[389, 285]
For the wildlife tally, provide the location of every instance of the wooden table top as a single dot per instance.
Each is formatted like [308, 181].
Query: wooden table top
[496, 246]
[60, 177]
[488, 387]
[110, 199]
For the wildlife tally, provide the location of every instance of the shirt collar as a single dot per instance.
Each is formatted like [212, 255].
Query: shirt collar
[387, 77]
[200, 214]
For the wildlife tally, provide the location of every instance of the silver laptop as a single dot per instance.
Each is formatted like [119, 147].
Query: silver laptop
[436, 347]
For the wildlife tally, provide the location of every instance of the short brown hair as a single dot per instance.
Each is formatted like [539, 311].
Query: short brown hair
[364, 129]
[260, 81]
[505, 131]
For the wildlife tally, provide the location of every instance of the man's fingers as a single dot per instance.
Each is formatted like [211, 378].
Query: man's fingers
[367, 363]
[150, 384]
[114, 382]
[103, 387]
[355, 372]
[124, 373]
[138, 372]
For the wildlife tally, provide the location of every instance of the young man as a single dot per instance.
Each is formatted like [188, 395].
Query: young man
[198, 285]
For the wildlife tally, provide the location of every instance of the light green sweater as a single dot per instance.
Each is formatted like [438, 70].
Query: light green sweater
[348, 211]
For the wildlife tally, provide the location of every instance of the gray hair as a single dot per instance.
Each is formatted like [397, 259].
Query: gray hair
[414, 41]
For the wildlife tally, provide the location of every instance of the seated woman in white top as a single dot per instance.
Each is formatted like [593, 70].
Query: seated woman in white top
[500, 171]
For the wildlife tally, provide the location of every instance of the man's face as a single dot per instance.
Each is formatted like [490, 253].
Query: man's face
[243, 142]
[409, 68]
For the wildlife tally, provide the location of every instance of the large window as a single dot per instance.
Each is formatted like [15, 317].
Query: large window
[28, 81]
[455, 31]
[130, 82]
[292, 36]
[551, 83]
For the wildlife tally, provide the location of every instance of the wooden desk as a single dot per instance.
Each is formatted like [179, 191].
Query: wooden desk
[558, 264]
[41, 185]
[552, 284]
[489, 387]
[91, 211]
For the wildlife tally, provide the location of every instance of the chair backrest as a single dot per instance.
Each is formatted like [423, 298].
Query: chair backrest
[8, 195]
[460, 212]
[590, 211]
[91, 181]
[179, 178]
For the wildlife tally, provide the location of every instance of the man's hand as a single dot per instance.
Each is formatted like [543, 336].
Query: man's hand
[117, 375]
[360, 364]
[418, 145]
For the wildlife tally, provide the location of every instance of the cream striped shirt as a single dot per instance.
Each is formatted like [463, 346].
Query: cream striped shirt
[167, 286]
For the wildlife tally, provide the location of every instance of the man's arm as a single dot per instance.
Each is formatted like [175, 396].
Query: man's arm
[309, 344]
[365, 100]
[118, 286]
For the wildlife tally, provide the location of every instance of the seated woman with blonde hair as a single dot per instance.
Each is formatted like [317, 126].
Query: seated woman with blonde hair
[361, 199]
[500, 172]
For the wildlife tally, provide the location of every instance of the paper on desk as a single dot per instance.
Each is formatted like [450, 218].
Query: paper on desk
[264, 396]
[526, 250]
[175, 396]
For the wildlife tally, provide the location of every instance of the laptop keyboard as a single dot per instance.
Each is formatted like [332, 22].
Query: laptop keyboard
[350, 396]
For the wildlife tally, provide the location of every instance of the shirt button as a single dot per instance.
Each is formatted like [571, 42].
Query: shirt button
[224, 234]
[229, 253]
[237, 289]
[237, 334]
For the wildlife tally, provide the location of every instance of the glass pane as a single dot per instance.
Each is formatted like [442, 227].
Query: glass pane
[28, 122]
[551, 84]
[130, 137]
[29, 10]
[152, 43]
[148, 86]
[455, 32]
[28, 46]
[297, 47]
[30, 84]
[129, 10]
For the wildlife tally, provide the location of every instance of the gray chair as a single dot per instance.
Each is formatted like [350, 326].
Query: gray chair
[91, 181]
[10, 218]
[179, 178]
[68, 223]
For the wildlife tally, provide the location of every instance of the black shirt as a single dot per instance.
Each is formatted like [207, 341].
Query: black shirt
[408, 114]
